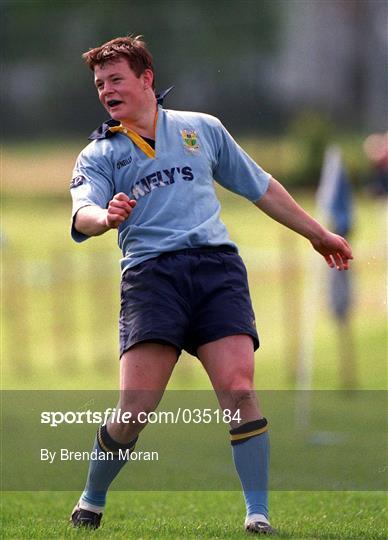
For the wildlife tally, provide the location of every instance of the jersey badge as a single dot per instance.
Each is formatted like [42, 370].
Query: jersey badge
[77, 181]
[190, 140]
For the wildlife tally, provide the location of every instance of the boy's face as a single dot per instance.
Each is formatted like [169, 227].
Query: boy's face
[120, 91]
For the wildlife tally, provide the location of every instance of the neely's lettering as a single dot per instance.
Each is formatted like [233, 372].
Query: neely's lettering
[170, 174]
[159, 179]
[187, 173]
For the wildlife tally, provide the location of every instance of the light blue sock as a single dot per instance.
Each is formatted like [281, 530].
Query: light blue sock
[103, 471]
[250, 445]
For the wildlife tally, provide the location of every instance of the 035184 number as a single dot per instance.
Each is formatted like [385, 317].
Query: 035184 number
[206, 416]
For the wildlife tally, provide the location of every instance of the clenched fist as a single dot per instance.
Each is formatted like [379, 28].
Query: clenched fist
[119, 209]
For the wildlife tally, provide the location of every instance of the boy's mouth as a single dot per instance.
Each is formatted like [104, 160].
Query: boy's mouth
[113, 103]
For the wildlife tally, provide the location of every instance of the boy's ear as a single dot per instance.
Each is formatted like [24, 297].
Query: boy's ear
[148, 78]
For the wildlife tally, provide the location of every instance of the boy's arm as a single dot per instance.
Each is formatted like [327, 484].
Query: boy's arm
[93, 220]
[279, 205]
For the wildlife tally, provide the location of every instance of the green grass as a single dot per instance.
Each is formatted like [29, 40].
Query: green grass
[176, 515]
[60, 331]
[36, 232]
[61, 299]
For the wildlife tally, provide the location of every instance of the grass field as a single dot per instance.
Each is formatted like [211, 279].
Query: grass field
[59, 332]
[61, 299]
[176, 515]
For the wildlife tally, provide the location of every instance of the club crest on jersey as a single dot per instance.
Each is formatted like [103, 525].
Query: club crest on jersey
[190, 140]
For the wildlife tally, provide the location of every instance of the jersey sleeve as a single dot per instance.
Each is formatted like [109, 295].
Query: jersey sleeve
[92, 184]
[235, 170]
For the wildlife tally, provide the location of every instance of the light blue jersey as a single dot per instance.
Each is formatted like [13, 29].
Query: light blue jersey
[177, 207]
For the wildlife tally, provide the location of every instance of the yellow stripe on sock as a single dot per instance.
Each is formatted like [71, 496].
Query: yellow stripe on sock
[106, 449]
[239, 436]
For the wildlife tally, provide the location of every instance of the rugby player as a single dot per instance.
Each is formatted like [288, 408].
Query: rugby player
[149, 172]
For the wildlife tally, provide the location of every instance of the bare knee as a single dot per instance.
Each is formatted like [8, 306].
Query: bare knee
[133, 415]
[240, 398]
[237, 399]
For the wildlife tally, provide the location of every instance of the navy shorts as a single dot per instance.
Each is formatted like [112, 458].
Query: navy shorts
[186, 298]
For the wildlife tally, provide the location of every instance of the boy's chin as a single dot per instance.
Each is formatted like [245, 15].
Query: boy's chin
[114, 115]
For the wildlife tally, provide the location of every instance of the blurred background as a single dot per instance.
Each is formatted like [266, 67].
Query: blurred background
[289, 79]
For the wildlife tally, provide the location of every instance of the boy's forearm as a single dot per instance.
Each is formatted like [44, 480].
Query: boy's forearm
[280, 206]
[91, 220]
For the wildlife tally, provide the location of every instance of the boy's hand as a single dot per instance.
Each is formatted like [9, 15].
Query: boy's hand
[119, 209]
[335, 249]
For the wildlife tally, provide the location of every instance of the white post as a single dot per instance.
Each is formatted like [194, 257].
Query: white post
[312, 289]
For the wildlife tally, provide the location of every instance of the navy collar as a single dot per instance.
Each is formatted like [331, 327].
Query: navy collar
[160, 97]
[103, 131]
